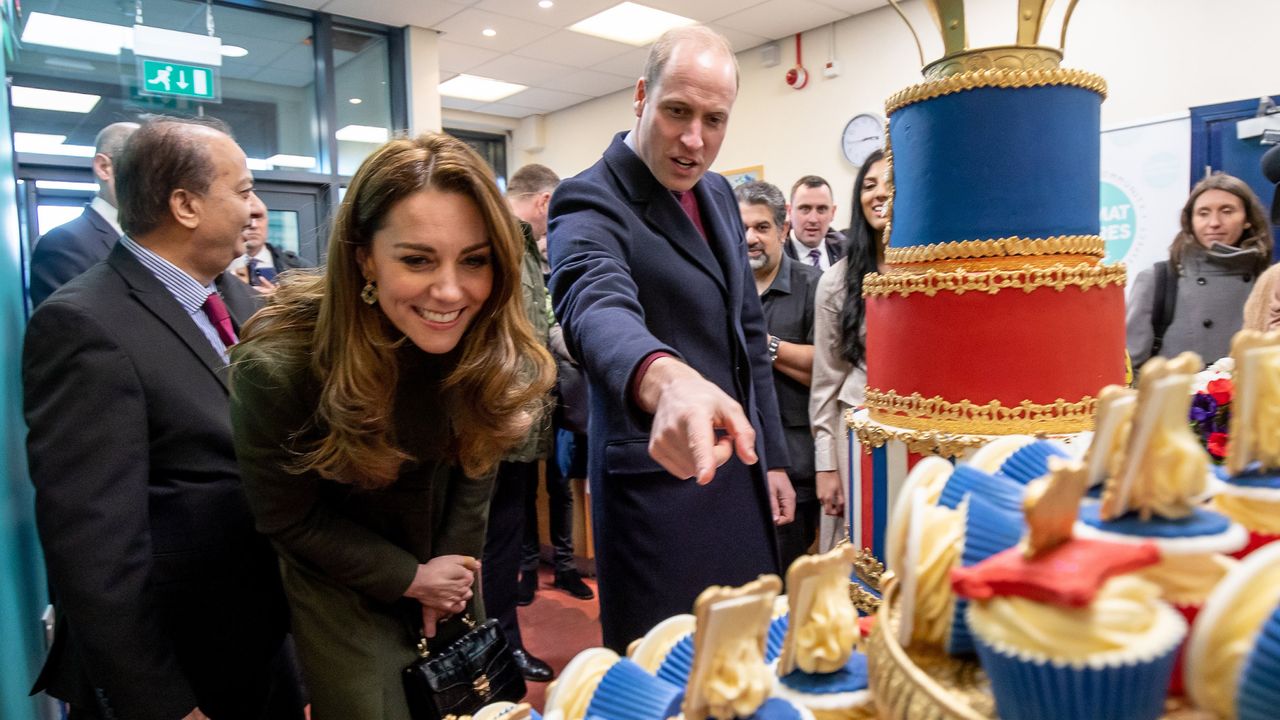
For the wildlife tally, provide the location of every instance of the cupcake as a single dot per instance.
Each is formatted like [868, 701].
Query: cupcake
[570, 695]
[678, 661]
[1001, 492]
[1062, 628]
[930, 474]
[1250, 493]
[649, 651]
[1031, 461]
[1233, 654]
[629, 692]
[990, 457]
[507, 711]
[820, 667]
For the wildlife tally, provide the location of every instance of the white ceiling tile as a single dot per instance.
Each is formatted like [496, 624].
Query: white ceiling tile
[571, 48]
[513, 33]
[738, 39]
[775, 19]
[545, 100]
[704, 10]
[459, 103]
[853, 7]
[459, 58]
[563, 13]
[507, 110]
[629, 64]
[525, 71]
[397, 13]
[589, 82]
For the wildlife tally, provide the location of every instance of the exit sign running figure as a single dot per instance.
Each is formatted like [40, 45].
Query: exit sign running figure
[165, 77]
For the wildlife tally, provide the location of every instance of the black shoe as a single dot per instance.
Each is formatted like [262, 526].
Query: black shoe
[528, 586]
[571, 582]
[531, 667]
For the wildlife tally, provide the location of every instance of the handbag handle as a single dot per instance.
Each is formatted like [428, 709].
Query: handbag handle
[424, 652]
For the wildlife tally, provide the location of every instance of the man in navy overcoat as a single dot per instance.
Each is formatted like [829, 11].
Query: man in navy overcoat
[652, 286]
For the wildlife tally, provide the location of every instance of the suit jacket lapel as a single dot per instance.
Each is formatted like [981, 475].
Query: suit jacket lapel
[156, 298]
[106, 234]
[661, 211]
[723, 231]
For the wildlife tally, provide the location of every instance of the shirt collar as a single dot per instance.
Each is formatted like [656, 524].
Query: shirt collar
[782, 280]
[188, 291]
[108, 213]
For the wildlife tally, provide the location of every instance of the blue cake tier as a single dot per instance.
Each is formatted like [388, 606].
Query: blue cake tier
[994, 163]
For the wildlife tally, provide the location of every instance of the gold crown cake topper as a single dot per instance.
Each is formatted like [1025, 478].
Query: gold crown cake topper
[958, 57]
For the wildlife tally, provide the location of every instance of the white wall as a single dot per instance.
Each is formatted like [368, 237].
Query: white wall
[1159, 57]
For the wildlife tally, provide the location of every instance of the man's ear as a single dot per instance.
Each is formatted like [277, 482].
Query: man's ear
[639, 97]
[103, 168]
[185, 206]
[544, 202]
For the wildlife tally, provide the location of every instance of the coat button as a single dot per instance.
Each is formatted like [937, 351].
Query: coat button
[1247, 278]
[1201, 281]
[1208, 323]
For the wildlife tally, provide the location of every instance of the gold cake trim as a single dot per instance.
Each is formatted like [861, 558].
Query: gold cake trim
[931, 282]
[994, 78]
[872, 434]
[998, 247]
[916, 412]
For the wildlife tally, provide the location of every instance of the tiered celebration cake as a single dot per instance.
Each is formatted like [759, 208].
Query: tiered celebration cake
[995, 315]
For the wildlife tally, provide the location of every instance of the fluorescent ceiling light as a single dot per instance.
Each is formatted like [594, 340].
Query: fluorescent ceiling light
[233, 51]
[630, 23]
[292, 161]
[355, 101]
[488, 32]
[41, 99]
[257, 164]
[362, 133]
[75, 34]
[48, 145]
[482, 89]
[545, 4]
[64, 185]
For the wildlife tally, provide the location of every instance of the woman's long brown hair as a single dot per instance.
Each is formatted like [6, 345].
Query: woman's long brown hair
[319, 322]
[1256, 237]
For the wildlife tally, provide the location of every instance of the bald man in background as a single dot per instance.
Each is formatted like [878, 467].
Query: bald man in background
[69, 249]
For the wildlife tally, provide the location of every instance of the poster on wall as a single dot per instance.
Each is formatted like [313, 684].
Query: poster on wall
[1145, 177]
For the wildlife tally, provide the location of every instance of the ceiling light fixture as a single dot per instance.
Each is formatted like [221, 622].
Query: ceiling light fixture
[355, 101]
[292, 161]
[233, 51]
[482, 89]
[545, 4]
[41, 99]
[65, 185]
[47, 144]
[488, 32]
[75, 34]
[630, 23]
[362, 133]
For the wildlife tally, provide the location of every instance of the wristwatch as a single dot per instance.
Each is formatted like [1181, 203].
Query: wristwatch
[773, 348]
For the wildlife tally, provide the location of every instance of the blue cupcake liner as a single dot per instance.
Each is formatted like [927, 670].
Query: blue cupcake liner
[628, 692]
[1258, 691]
[1200, 523]
[776, 636]
[1031, 461]
[852, 677]
[965, 480]
[1253, 476]
[678, 664]
[1028, 690]
[776, 709]
[988, 529]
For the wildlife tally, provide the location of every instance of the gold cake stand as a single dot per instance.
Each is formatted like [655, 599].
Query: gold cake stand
[928, 684]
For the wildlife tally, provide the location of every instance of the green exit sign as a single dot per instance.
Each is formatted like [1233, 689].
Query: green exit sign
[165, 77]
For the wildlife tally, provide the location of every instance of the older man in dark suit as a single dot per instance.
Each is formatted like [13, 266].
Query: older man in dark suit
[169, 603]
[71, 248]
[653, 290]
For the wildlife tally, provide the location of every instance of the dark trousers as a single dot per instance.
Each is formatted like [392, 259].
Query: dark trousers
[500, 569]
[796, 537]
[560, 509]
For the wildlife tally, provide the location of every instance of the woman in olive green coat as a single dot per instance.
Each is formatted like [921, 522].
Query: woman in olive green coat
[370, 405]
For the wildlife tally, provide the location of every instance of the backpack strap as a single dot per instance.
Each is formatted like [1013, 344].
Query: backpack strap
[1166, 301]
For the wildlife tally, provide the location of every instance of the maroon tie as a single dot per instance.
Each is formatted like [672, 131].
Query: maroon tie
[221, 319]
[689, 203]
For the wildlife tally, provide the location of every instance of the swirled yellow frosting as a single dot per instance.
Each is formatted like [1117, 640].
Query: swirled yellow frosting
[1266, 430]
[1187, 579]
[1120, 617]
[740, 682]
[1261, 516]
[1176, 468]
[573, 696]
[940, 545]
[1233, 637]
[826, 638]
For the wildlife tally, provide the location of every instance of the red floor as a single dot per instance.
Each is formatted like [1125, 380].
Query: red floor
[555, 627]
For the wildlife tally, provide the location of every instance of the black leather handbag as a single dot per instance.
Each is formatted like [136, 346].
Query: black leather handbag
[475, 670]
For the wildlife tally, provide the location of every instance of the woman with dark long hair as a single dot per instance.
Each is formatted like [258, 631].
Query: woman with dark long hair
[1224, 245]
[370, 406]
[839, 339]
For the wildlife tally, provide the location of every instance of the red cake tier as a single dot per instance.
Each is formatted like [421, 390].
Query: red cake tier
[997, 352]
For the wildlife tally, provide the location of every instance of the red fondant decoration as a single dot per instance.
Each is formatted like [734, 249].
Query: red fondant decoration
[1256, 540]
[1068, 575]
[1010, 346]
[865, 623]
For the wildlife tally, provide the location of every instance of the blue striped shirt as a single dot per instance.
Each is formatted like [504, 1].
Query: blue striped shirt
[189, 293]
